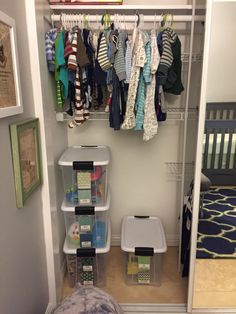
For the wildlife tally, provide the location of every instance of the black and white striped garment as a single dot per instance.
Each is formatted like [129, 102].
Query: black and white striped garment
[103, 59]
[168, 38]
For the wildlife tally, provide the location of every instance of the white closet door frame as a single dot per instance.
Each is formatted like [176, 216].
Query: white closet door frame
[198, 164]
[199, 150]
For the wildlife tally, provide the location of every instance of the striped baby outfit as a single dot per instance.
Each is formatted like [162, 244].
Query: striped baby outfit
[50, 38]
[102, 57]
[72, 60]
[119, 63]
[168, 38]
[79, 110]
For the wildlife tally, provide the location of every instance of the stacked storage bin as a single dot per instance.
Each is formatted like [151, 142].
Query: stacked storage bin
[86, 211]
[144, 244]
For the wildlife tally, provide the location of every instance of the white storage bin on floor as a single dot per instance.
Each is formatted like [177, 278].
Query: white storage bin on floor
[84, 170]
[143, 242]
[87, 265]
[86, 226]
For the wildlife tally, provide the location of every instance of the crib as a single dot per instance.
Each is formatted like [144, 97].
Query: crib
[219, 146]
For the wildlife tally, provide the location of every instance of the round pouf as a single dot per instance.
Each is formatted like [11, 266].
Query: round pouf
[88, 300]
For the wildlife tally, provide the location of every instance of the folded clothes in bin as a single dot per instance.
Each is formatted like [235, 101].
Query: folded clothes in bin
[86, 240]
[99, 234]
[86, 223]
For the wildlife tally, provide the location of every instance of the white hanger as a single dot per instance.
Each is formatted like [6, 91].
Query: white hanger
[142, 21]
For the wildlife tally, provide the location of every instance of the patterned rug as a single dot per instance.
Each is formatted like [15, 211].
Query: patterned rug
[217, 225]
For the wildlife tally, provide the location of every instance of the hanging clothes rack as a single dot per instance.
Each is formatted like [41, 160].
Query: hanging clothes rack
[132, 18]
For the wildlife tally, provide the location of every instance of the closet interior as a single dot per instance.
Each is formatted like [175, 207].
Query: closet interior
[148, 176]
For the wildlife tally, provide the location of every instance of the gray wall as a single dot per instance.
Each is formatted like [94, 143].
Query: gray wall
[23, 278]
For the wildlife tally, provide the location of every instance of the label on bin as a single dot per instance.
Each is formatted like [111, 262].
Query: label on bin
[88, 282]
[87, 268]
[86, 244]
[84, 201]
[85, 228]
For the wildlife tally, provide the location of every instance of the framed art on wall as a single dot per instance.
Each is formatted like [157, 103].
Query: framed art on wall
[10, 89]
[26, 154]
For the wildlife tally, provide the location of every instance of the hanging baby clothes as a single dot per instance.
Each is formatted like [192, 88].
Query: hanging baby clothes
[50, 38]
[169, 70]
[174, 84]
[145, 78]
[128, 58]
[119, 62]
[150, 123]
[61, 72]
[139, 59]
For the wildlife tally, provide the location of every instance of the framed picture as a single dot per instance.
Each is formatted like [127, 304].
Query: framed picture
[26, 154]
[10, 89]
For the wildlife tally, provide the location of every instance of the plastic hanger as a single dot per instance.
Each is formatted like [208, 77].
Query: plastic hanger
[85, 21]
[138, 18]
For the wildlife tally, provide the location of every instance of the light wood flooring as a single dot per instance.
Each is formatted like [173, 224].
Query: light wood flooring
[215, 283]
[172, 290]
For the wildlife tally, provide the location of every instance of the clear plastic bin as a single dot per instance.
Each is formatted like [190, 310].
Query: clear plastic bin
[86, 265]
[84, 170]
[143, 242]
[86, 226]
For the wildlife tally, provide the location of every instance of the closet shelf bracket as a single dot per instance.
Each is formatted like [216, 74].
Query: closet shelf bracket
[175, 170]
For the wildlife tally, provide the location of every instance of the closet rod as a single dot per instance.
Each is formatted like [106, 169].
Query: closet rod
[131, 18]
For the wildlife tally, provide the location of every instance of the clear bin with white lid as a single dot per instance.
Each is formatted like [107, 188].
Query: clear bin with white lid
[143, 242]
[87, 265]
[84, 170]
[86, 226]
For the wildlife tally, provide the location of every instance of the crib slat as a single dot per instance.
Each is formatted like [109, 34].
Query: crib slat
[206, 149]
[213, 155]
[229, 148]
[234, 167]
[220, 165]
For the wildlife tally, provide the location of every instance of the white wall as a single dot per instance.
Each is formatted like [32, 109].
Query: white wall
[23, 275]
[222, 65]
[56, 142]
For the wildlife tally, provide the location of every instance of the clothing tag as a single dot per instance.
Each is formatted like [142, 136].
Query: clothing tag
[144, 266]
[86, 244]
[144, 278]
[84, 197]
[87, 268]
[84, 180]
[85, 201]
[85, 228]
[88, 282]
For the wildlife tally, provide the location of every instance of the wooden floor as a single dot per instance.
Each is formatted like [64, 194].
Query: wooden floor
[215, 283]
[172, 290]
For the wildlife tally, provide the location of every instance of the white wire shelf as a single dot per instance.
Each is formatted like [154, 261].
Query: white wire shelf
[124, 7]
[175, 170]
[196, 57]
[173, 114]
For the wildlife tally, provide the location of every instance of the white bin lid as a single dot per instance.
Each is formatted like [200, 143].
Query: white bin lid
[71, 208]
[100, 155]
[142, 232]
[71, 249]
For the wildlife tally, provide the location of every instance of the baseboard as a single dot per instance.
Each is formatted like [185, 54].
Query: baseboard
[171, 239]
[49, 308]
[153, 308]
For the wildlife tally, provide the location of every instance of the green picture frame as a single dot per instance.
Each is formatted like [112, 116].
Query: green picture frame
[26, 157]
